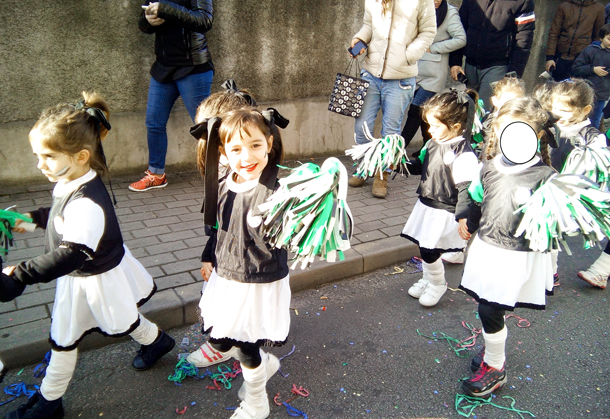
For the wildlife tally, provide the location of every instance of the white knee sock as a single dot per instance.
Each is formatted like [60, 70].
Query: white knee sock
[146, 333]
[554, 257]
[256, 380]
[495, 345]
[436, 272]
[59, 373]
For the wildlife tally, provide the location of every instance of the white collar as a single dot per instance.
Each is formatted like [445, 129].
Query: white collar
[240, 187]
[451, 141]
[64, 188]
[510, 169]
[575, 127]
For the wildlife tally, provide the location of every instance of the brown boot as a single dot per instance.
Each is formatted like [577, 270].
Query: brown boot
[356, 182]
[380, 186]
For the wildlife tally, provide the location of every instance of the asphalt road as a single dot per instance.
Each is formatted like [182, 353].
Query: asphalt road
[359, 355]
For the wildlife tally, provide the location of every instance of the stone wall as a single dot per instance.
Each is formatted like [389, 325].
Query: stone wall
[286, 52]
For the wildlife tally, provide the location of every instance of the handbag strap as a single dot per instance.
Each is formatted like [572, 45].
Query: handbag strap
[350, 65]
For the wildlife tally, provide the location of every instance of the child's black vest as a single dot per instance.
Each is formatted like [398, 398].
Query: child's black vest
[110, 251]
[568, 140]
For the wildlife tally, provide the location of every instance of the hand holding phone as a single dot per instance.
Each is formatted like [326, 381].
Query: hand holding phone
[461, 77]
[357, 49]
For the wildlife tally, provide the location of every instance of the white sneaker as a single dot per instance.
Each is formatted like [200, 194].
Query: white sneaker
[273, 365]
[206, 356]
[245, 411]
[432, 294]
[594, 278]
[453, 257]
[418, 288]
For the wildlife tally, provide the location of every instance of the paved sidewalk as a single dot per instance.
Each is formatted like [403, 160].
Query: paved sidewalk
[164, 231]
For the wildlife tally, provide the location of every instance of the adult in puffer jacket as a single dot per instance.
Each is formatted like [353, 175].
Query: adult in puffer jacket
[576, 24]
[398, 33]
[434, 67]
[183, 68]
[499, 37]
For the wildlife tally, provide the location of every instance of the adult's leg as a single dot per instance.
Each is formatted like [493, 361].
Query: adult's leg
[414, 116]
[370, 108]
[563, 69]
[596, 114]
[161, 99]
[194, 89]
[487, 76]
[396, 95]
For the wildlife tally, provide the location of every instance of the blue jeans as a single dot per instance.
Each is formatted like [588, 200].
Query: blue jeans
[421, 96]
[392, 97]
[598, 111]
[193, 88]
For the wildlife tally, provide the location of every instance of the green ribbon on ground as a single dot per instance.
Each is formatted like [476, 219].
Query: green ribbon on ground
[465, 405]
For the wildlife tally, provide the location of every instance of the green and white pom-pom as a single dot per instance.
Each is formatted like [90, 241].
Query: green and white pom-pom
[594, 163]
[308, 215]
[566, 205]
[7, 222]
[477, 125]
[379, 154]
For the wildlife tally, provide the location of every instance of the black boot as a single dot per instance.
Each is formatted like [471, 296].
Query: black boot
[149, 354]
[37, 407]
[414, 120]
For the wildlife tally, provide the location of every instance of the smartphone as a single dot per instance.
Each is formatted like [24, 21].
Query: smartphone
[462, 78]
[357, 49]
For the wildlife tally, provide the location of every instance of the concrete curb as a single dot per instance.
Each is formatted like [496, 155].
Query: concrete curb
[177, 307]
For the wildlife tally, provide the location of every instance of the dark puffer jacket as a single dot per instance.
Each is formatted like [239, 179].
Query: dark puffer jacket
[180, 40]
[498, 32]
[576, 23]
[594, 56]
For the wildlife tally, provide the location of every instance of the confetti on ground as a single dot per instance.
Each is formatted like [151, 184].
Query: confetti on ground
[181, 412]
[465, 405]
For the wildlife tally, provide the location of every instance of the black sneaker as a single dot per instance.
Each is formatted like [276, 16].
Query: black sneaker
[484, 381]
[37, 407]
[149, 354]
[477, 360]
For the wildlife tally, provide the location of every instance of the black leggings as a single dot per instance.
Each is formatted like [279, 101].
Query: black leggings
[607, 248]
[429, 255]
[250, 356]
[492, 318]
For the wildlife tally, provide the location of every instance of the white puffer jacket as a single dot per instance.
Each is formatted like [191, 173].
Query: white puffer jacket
[397, 40]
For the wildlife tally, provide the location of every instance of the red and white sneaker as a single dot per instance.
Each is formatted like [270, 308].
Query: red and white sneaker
[484, 381]
[149, 181]
[206, 356]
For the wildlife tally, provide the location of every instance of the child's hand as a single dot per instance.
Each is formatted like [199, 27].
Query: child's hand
[600, 71]
[463, 229]
[206, 270]
[8, 270]
[18, 221]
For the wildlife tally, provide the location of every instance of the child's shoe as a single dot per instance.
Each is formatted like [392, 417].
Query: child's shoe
[453, 257]
[432, 294]
[418, 288]
[484, 381]
[206, 356]
[597, 274]
[245, 411]
[556, 282]
[148, 355]
[273, 365]
[37, 407]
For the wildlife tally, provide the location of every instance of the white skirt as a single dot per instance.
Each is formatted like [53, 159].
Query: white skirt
[507, 278]
[433, 228]
[246, 312]
[107, 303]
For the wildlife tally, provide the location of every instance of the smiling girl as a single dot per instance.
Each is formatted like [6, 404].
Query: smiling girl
[448, 165]
[249, 274]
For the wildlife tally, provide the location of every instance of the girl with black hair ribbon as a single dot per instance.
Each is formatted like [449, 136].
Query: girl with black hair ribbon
[100, 285]
[243, 268]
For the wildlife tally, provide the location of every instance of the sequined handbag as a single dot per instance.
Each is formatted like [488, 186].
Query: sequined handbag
[348, 93]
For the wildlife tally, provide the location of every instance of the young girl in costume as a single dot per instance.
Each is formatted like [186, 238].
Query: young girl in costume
[501, 272]
[448, 165]
[243, 268]
[572, 101]
[100, 285]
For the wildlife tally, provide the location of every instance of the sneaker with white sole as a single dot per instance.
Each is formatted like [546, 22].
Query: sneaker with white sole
[245, 411]
[149, 181]
[593, 278]
[273, 365]
[432, 294]
[484, 381]
[453, 257]
[206, 356]
[418, 288]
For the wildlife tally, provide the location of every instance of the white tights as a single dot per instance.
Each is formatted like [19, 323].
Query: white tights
[62, 364]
